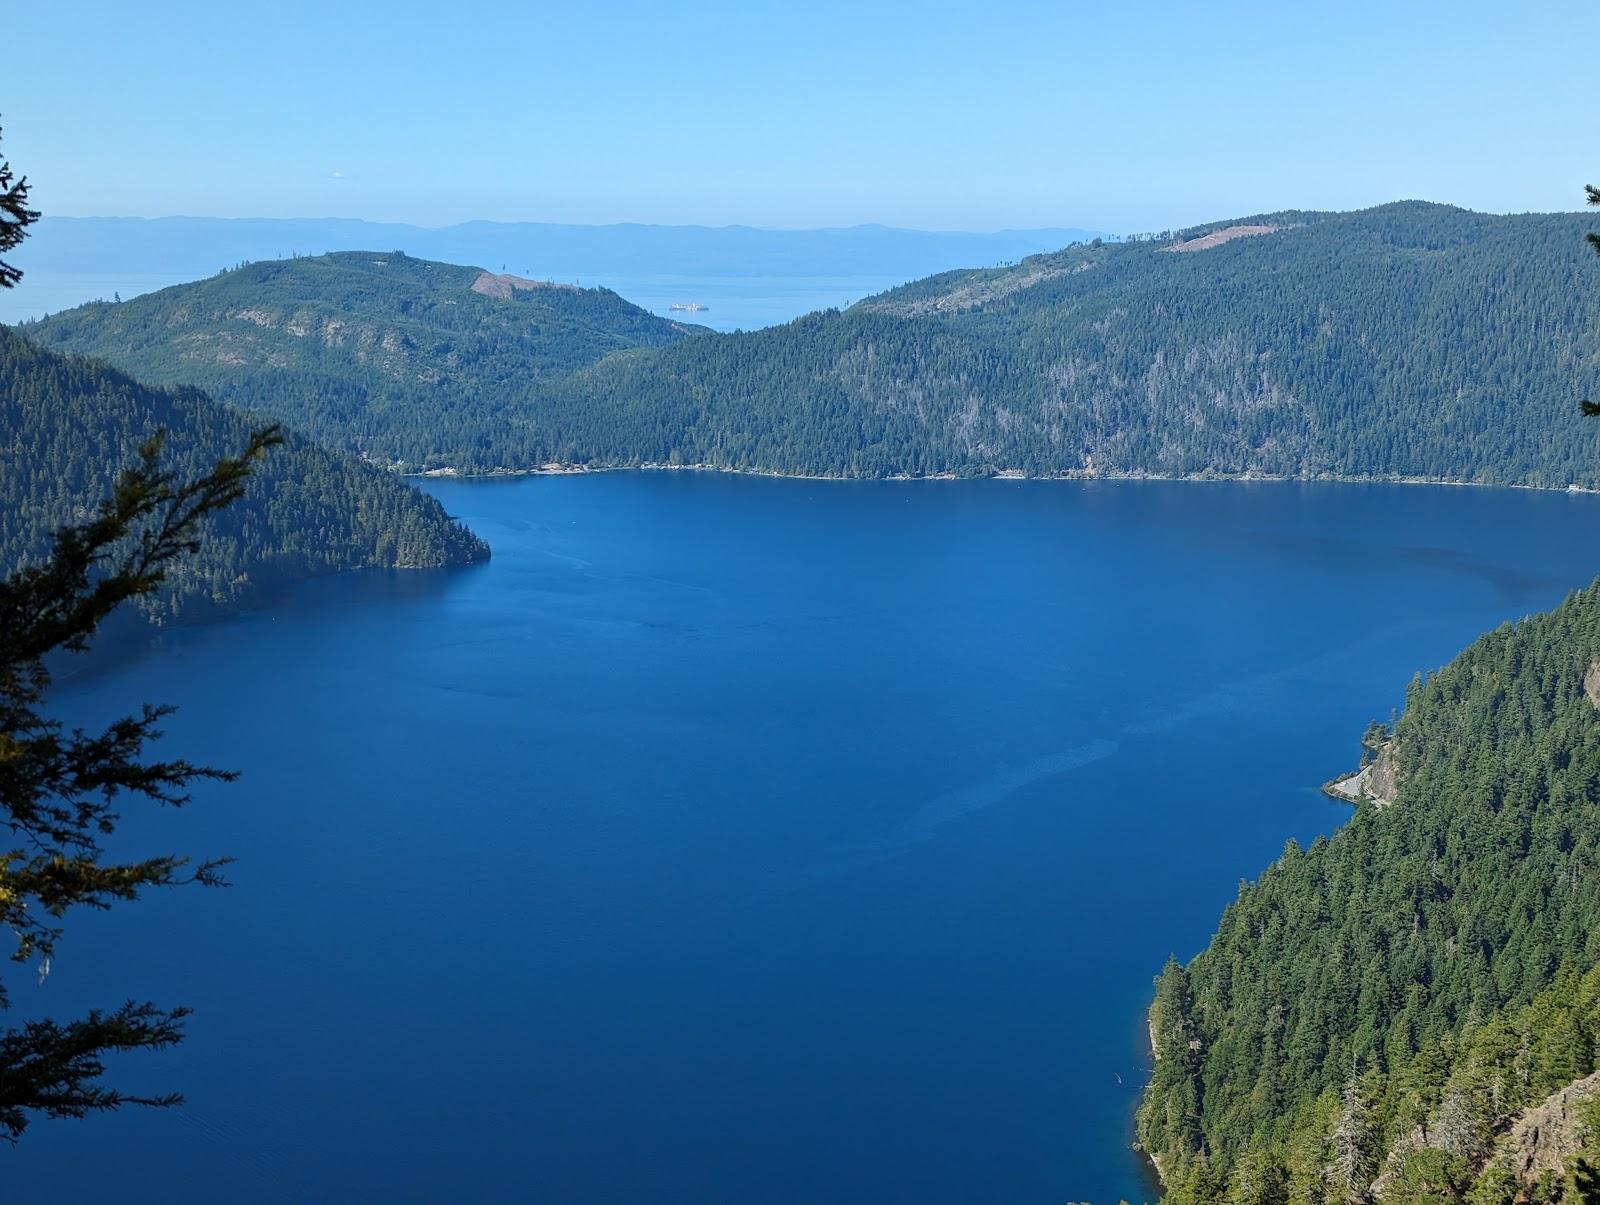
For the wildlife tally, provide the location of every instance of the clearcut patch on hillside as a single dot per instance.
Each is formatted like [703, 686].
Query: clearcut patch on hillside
[1226, 235]
[504, 285]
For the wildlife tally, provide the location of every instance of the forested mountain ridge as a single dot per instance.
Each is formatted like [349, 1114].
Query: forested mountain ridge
[1387, 343]
[69, 424]
[1375, 1011]
[381, 354]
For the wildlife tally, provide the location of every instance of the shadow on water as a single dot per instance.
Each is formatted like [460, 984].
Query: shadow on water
[126, 640]
[1377, 561]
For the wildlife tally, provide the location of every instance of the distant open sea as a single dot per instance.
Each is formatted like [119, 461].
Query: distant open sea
[733, 302]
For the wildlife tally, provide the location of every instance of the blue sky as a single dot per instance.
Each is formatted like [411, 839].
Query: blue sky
[1122, 117]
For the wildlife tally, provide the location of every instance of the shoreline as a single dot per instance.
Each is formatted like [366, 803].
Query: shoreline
[579, 470]
[1349, 788]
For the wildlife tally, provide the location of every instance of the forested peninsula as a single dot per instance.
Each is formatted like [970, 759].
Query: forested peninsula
[1410, 1009]
[1390, 343]
[412, 364]
[73, 423]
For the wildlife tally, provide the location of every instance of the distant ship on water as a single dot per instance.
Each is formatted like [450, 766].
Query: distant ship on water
[691, 307]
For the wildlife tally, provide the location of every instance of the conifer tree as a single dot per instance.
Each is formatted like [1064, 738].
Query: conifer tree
[1354, 1140]
[59, 789]
[15, 218]
[1592, 408]
[1258, 1180]
[1464, 1127]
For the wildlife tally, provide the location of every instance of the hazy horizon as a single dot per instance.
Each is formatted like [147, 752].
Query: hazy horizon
[435, 226]
[865, 224]
[748, 276]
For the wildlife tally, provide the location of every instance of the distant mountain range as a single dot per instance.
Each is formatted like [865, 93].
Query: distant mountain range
[1410, 340]
[198, 246]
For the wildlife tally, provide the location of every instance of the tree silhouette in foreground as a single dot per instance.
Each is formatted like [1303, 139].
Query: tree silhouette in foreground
[59, 789]
[1592, 408]
[15, 218]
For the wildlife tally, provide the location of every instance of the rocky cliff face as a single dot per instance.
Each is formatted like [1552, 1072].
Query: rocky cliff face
[1545, 1137]
[1591, 683]
[1539, 1145]
[1383, 783]
[1377, 781]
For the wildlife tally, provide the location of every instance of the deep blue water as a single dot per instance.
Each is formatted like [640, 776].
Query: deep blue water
[733, 840]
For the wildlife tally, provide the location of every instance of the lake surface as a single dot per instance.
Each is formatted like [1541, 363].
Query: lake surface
[740, 840]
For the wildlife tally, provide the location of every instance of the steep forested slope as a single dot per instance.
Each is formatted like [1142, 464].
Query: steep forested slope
[1391, 342]
[1368, 1000]
[402, 359]
[67, 425]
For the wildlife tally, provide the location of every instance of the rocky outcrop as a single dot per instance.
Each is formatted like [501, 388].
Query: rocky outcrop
[1383, 783]
[1550, 1133]
[1591, 683]
[1378, 781]
[1539, 1143]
